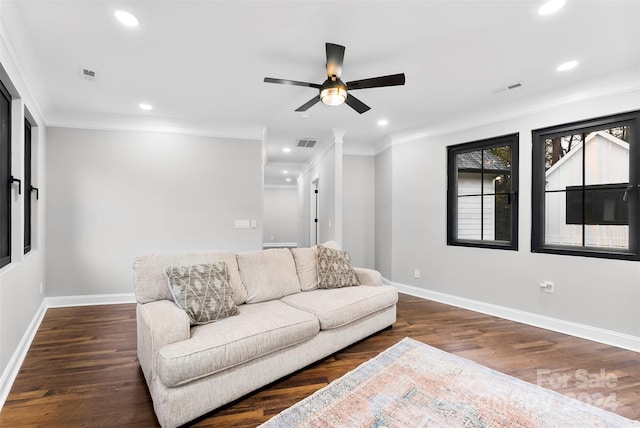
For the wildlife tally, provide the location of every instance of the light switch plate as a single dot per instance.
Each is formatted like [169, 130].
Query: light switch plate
[243, 224]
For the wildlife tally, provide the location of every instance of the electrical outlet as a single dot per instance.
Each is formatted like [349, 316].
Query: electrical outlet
[547, 286]
[416, 273]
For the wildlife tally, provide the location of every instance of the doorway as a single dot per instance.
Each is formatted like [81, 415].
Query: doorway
[314, 212]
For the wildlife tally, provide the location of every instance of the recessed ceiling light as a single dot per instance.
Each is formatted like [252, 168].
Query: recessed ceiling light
[145, 106]
[383, 122]
[286, 149]
[567, 65]
[550, 7]
[285, 172]
[288, 179]
[126, 18]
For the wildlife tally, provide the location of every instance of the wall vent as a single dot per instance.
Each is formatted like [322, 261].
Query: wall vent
[507, 88]
[306, 142]
[87, 73]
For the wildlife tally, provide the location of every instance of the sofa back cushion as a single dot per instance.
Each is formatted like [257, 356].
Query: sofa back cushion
[307, 264]
[306, 260]
[150, 281]
[268, 274]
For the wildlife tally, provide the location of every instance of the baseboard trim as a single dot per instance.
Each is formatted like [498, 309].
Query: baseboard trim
[12, 369]
[596, 334]
[90, 300]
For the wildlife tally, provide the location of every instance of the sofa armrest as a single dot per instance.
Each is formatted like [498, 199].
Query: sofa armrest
[368, 276]
[159, 323]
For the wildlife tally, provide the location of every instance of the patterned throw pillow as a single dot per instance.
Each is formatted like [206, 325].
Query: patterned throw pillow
[202, 291]
[334, 269]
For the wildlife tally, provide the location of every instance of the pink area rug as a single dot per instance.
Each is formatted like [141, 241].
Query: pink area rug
[415, 385]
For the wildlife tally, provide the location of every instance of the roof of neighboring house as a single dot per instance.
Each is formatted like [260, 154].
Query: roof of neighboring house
[473, 161]
[612, 139]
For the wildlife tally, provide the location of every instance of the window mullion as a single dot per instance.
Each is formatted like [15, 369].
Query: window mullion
[482, 195]
[584, 180]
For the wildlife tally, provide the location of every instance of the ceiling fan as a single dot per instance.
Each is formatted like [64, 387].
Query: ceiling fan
[334, 91]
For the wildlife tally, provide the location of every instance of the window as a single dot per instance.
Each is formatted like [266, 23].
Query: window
[482, 193]
[585, 188]
[27, 186]
[5, 176]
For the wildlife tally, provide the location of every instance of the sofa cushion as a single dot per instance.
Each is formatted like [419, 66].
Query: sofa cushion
[334, 268]
[260, 329]
[337, 307]
[306, 261]
[150, 281]
[202, 291]
[268, 274]
[306, 264]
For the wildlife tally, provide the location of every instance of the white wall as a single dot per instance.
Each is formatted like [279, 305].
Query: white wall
[21, 280]
[594, 292]
[280, 215]
[384, 212]
[303, 189]
[324, 169]
[358, 219]
[116, 194]
[326, 196]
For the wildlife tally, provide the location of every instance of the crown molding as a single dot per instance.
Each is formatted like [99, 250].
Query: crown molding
[18, 76]
[597, 88]
[239, 133]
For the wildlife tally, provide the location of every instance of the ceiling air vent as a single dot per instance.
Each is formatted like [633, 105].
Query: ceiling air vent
[306, 142]
[507, 88]
[87, 73]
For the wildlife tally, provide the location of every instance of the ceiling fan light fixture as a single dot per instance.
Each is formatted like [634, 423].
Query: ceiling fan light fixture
[551, 6]
[126, 18]
[333, 95]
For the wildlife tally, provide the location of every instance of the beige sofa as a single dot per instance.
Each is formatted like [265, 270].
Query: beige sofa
[284, 324]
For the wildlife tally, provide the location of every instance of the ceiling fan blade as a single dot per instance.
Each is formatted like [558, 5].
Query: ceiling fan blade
[291, 82]
[335, 56]
[377, 82]
[356, 104]
[308, 104]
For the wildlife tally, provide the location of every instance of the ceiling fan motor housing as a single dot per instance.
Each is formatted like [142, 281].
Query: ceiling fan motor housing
[333, 92]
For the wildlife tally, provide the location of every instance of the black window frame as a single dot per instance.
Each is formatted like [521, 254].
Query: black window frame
[631, 119]
[511, 140]
[6, 182]
[28, 186]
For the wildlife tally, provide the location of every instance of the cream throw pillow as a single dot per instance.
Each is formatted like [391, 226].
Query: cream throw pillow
[306, 265]
[268, 274]
[334, 269]
[202, 291]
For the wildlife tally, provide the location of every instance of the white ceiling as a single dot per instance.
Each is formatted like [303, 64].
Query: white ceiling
[201, 64]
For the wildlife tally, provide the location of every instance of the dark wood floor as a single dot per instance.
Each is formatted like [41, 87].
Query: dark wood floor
[81, 369]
